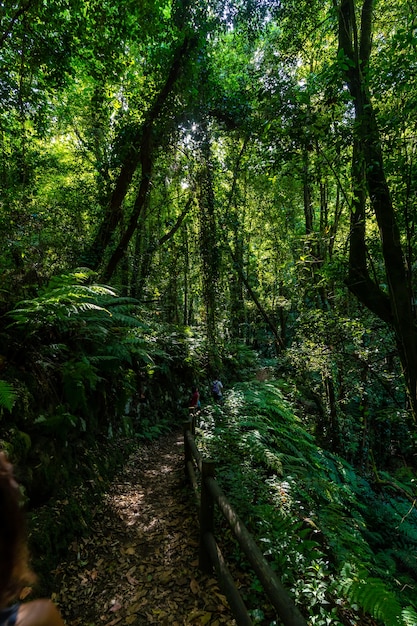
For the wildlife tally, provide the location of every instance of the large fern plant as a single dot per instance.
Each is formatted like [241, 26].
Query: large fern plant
[76, 342]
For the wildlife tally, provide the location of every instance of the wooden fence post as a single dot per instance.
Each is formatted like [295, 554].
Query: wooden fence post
[193, 411]
[208, 469]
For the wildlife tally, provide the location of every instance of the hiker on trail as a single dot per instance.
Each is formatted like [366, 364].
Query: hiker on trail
[15, 573]
[195, 399]
[217, 390]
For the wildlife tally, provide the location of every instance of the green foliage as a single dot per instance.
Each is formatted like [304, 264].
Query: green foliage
[238, 360]
[81, 342]
[373, 596]
[150, 431]
[90, 357]
[61, 425]
[347, 386]
[333, 537]
[7, 395]
[69, 302]
[409, 616]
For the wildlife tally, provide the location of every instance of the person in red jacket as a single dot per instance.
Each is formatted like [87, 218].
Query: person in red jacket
[15, 572]
[195, 398]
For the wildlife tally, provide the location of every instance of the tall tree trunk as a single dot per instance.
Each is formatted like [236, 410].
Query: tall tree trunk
[146, 158]
[234, 217]
[140, 152]
[397, 307]
[237, 303]
[333, 427]
[308, 205]
[278, 343]
[185, 246]
[208, 241]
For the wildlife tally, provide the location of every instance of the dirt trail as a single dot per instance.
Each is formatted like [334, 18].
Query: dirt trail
[140, 564]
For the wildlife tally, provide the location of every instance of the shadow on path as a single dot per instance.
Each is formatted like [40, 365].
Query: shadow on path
[140, 564]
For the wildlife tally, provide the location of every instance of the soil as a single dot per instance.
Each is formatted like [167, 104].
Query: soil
[140, 562]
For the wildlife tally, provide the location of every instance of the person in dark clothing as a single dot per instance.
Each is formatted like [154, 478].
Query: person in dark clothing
[217, 390]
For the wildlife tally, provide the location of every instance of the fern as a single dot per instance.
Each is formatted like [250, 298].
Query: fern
[104, 334]
[7, 395]
[372, 595]
[409, 616]
[66, 300]
[406, 559]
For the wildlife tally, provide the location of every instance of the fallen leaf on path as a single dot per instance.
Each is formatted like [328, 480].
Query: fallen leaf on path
[131, 580]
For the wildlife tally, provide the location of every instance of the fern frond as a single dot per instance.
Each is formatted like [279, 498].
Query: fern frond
[125, 320]
[126, 302]
[372, 595]
[409, 616]
[88, 306]
[7, 395]
[407, 559]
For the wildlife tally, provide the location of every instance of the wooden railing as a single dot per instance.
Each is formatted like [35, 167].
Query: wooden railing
[209, 495]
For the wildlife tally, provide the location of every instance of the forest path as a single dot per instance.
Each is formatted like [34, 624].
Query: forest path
[140, 564]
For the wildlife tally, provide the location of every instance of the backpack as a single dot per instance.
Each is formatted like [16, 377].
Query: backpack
[215, 388]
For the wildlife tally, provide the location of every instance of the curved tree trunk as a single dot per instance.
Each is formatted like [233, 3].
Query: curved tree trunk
[396, 307]
[140, 152]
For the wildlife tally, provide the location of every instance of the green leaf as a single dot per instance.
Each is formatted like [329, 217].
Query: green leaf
[7, 395]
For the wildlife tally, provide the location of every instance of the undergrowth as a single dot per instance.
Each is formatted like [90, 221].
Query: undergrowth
[338, 542]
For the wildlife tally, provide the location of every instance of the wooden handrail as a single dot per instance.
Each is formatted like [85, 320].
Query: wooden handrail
[277, 594]
[194, 451]
[210, 555]
[236, 603]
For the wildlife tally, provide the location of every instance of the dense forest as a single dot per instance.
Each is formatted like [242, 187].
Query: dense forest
[200, 188]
